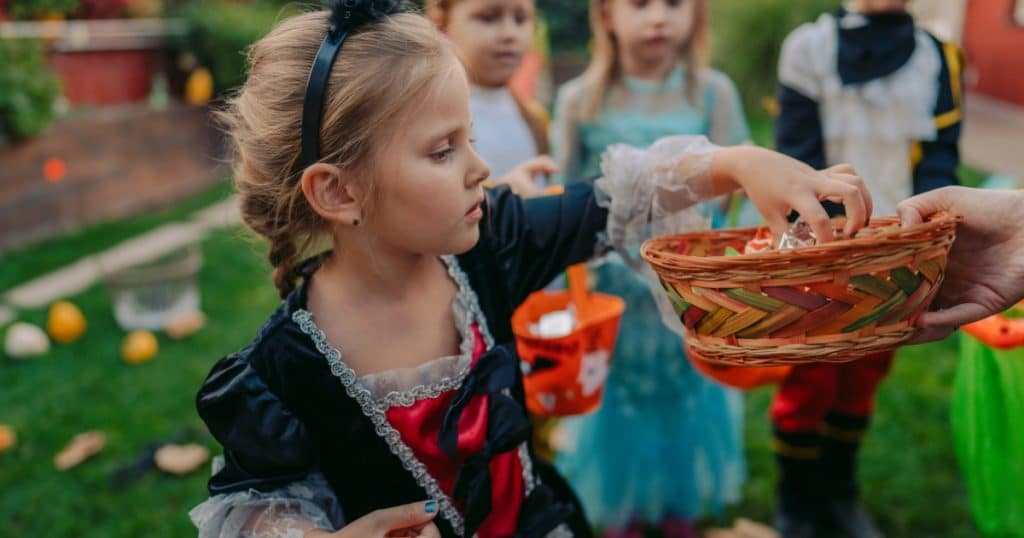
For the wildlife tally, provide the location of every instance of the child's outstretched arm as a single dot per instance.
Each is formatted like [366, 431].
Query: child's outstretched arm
[651, 191]
[778, 184]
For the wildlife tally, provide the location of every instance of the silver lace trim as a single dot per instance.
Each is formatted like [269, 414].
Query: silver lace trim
[375, 413]
[409, 398]
[530, 480]
[375, 410]
[465, 314]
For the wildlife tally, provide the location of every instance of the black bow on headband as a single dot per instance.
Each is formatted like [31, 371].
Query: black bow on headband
[345, 17]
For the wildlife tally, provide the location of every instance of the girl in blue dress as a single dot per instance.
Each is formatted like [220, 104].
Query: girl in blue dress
[666, 446]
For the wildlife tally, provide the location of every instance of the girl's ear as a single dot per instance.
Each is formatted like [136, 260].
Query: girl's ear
[436, 15]
[333, 194]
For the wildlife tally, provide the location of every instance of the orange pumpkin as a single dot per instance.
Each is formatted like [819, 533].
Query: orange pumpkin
[999, 331]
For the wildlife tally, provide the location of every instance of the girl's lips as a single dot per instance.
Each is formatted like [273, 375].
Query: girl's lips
[508, 57]
[476, 208]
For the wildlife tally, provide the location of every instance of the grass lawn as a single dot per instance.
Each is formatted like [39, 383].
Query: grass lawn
[910, 477]
[23, 264]
[85, 386]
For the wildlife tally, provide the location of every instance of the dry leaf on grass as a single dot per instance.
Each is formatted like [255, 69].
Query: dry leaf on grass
[181, 459]
[79, 449]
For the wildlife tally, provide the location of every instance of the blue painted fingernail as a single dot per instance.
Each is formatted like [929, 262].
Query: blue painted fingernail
[430, 507]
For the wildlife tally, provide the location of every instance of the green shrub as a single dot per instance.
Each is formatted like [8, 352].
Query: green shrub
[220, 32]
[28, 88]
[748, 34]
[568, 24]
[30, 9]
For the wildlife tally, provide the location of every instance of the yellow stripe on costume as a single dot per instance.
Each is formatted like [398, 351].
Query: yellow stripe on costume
[948, 119]
[847, 436]
[785, 449]
[954, 59]
[916, 154]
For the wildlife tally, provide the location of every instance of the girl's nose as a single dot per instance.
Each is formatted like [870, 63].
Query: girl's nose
[657, 13]
[478, 169]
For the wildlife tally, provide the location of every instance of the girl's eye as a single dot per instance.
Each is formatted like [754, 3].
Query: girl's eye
[441, 156]
[489, 17]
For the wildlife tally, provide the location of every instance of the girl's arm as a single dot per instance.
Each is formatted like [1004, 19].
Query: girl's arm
[652, 192]
[266, 483]
[564, 134]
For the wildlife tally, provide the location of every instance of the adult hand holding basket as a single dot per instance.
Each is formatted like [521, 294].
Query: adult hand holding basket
[832, 302]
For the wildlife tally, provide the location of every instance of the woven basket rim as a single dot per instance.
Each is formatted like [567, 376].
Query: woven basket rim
[936, 225]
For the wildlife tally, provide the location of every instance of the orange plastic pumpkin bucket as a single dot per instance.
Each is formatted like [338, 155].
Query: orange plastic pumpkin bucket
[1001, 331]
[566, 375]
[741, 377]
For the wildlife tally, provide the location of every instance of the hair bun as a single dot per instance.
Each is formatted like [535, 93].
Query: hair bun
[347, 15]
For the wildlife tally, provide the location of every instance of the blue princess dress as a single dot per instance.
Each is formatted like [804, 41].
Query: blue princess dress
[666, 442]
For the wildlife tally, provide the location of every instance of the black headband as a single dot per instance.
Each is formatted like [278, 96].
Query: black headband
[345, 17]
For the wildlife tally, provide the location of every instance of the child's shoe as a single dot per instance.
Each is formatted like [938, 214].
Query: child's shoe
[672, 527]
[850, 517]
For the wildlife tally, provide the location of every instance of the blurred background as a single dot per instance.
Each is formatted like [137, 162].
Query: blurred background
[124, 273]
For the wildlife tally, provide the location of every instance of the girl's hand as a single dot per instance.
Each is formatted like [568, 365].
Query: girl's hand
[413, 520]
[778, 184]
[522, 177]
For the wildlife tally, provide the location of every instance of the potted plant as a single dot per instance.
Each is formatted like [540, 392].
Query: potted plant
[28, 89]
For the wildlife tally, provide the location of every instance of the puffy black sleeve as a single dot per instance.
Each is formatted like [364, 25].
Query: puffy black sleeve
[536, 239]
[265, 445]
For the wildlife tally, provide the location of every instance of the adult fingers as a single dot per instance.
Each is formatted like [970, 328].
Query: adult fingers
[954, 316]
[917, 208]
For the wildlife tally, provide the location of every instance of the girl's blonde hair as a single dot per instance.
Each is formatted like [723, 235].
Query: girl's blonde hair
[379, 71]
[604, 68]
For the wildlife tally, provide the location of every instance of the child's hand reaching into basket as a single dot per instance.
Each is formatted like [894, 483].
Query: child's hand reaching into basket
[778, 184]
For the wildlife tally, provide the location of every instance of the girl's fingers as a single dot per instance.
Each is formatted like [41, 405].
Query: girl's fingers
[853, 202]
[404, 516]
[857, 182]
[844, 168]
[814, 214]
[777, 223]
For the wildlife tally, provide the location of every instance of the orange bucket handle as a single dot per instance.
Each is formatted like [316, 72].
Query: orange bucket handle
[578, 291]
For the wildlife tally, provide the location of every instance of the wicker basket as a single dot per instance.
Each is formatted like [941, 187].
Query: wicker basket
[829, 303]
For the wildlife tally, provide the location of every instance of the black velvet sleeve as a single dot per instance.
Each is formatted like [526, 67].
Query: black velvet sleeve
[536, 239]
[265, 445]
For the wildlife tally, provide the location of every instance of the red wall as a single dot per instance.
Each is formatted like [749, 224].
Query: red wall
[995, 49]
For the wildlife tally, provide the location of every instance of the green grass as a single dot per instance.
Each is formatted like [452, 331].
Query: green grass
[23, 264]
[85, 386]
[910, 477]
[908, 472]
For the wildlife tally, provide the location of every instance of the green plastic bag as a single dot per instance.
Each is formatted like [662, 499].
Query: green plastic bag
[988, 434]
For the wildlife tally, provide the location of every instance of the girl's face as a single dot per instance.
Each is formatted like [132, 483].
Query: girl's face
[492, 36]
[649, 30]
[429, 177]
[880, 6]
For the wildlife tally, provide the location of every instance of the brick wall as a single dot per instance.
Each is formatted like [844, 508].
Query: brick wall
[120, 162]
